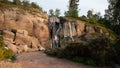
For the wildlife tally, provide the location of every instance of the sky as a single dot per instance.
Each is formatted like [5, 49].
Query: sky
[84, 5]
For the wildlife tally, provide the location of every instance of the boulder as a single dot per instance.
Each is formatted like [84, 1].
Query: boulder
[11, 46]
[25, 48]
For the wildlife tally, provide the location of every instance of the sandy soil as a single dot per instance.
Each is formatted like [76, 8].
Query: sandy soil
[41, 60]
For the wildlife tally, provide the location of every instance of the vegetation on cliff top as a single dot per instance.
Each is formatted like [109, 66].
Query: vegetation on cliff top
[26, 5]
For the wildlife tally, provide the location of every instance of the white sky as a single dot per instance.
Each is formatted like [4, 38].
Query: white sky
[84, 5]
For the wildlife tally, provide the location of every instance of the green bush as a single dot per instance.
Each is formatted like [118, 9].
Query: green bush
[58, 52]
[96, 52]
[1, 41]
[34, 5]
[5, 53]
[4, 1]
[17, 2]
[26, 3]
[98, 49]
[117, 52]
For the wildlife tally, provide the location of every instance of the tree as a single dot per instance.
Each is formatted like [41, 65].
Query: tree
[83, 18]
[26, 3]
[4, 1]
[97, 16]
[34, 5]
[113, 15]
[89, 14]
[57, 12]
[51, 12]
[17, 2]
[73, 9]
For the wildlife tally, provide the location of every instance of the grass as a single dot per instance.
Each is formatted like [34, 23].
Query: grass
[31, 10]
[5, 53]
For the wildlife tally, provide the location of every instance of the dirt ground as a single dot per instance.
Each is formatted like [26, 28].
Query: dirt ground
[41, 60]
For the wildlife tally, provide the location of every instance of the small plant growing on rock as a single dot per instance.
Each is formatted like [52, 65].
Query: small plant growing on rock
[5, 53]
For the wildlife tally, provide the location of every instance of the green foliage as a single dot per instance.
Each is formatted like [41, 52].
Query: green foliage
[1, 41]
[116, 52]
[72, 13]
[90, 14]
[98, 49]
[26, 3]
[17, 2]
[57, 12]
[5, 53]
[55, 52]
[51, 12]
[4, 1]
[98, 52]
[34, 5]
[54, 13]
[92, 18]
[73, 9]
[113, 16]
[92, 53]
[32, 8]
[83, 18]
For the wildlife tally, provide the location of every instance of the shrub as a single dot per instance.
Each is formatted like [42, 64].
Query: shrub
[34, 5]
[17, 2]
[99, 48]
[1, 41]
[26, 3]
[58, 52]
[96, 52]
[5, 53]
[117, 52]
[4, 1]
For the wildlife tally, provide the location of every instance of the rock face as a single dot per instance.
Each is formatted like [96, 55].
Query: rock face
[87, 31]
[31, 28]
[28, 30]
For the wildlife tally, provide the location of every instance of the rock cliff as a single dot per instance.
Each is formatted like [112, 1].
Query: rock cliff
[87, 31]
[27, 30]
[30, 26]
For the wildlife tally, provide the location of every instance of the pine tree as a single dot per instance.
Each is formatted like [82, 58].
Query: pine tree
[17, 2]
[73, 9]
[51, 12]
[57, 12]
[113, 15]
